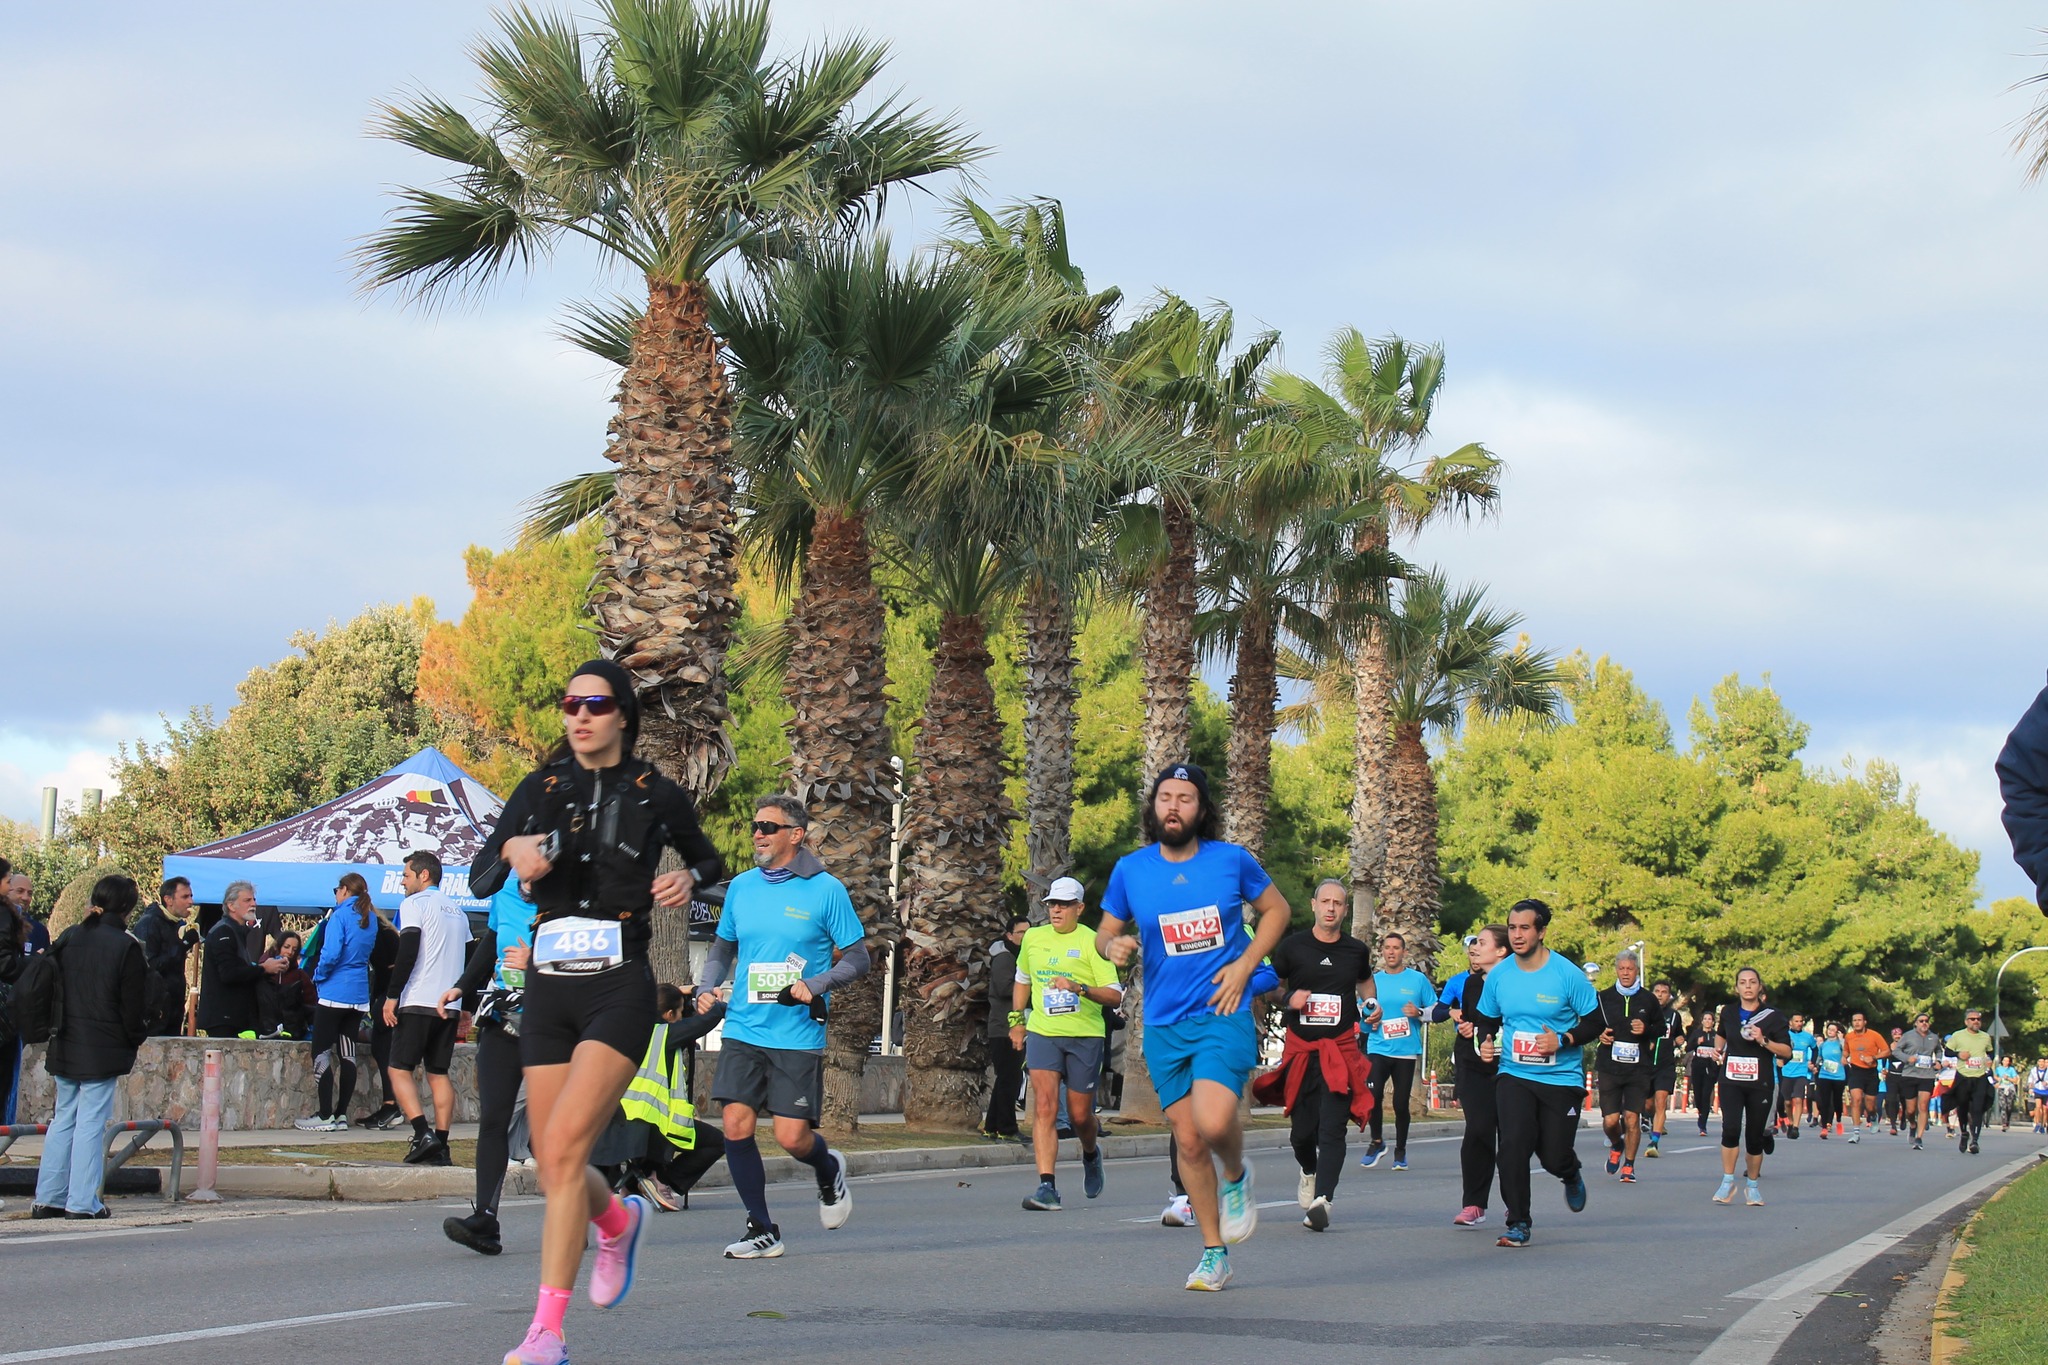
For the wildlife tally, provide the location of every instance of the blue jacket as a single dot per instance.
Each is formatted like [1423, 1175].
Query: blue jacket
[343, 975]
[2023, 781]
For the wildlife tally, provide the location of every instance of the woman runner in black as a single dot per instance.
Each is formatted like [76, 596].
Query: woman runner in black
[1472, 1076]
[1703, 1062]
[1751, 1036]
[585, 834]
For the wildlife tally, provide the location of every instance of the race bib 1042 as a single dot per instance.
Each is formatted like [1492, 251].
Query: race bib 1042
[1323, 1009]
[1743, 1068]
[1188, 932]
[1523, 1048]
[576, 946]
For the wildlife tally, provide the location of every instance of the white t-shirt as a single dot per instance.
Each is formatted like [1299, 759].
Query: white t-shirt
[444, 933]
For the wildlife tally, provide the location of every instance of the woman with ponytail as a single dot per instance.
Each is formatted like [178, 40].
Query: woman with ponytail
[341, 986]
[104, 993]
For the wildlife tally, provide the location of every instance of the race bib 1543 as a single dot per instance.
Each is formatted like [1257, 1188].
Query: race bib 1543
[1323, 1009]
[1188, 932]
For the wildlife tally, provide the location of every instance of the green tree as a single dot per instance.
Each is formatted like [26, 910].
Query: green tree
[670, 141]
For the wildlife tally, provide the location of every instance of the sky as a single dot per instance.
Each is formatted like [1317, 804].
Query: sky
[1750, 298]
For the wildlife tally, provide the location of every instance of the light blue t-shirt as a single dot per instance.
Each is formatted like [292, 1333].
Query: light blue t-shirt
[782, 932]
[1832, 1067]
[1396, 989]
[511, 921]
[1554, 996]
[1795, 1066]
[1188, 917]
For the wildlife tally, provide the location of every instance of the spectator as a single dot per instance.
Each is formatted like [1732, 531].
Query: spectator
[666, 1168]
[383, 958]
[227, 978]
[284, 1003]
[21, 893]
[13, 941]
[1000, 1124]
[167, 935]
[433, 937]
[341, 985]
[103, 994]
[2023, 781]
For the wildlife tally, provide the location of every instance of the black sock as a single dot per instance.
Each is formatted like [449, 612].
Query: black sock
[819, 1159]
[419, 1126]
[1045, 1177]
[441, 1136]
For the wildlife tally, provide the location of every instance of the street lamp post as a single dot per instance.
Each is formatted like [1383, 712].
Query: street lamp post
[1997, 1020]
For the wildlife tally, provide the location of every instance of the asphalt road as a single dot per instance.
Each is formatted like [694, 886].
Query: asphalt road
[945, 1266]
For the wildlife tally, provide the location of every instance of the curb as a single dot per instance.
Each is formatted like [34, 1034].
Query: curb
[1945, 1346]
[391, 1184]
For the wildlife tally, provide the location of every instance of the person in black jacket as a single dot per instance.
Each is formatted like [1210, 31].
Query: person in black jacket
[2023, 782]
[91, 1050]
[227, 978]
[13, 940]
[167, 934]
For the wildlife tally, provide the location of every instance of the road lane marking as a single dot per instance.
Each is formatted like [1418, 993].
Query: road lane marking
[42, 1238]
[210, 1333]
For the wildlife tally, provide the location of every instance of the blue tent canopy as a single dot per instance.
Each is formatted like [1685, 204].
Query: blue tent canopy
[426, 802]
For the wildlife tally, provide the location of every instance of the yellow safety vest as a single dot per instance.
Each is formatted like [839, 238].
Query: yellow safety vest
[652, 1098]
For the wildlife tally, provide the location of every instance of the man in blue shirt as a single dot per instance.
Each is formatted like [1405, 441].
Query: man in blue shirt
[1393, 1044]
[1183, 892]
[1540, 1005]
[1795, 1077]
[788, 935]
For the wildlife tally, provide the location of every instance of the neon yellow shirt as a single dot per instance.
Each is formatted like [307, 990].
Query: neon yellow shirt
[1973, 1051]
[1046, 953]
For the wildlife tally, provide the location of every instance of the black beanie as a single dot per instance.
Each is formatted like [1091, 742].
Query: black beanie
[1183, 772]
[622, 688]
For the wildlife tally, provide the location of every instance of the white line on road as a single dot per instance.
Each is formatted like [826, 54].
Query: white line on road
[1785, 1300]
[43, 1238]
[208, 1333]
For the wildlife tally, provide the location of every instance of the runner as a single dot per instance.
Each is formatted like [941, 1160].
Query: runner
[1703, 1066]
[1894, 1092]
[1063, 982]
[585, 834]
[1179, 1213]
[2037, 1090]
[1473, 1077]
[1623, 1068]
[1751, 1036]
[1863, 1052]
[1663, 1063]
[1322, 1079]
[790, 934]
[1393, 1044]
[1548, 1010]
[1182, 892]
[1970, 1095]
[432, 935]
[2005, 1092]
[1831, 1074]
[1794, 1076]
[501, 958]
[1917, 1062]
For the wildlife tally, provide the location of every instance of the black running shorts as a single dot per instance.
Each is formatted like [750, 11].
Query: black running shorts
[1665, 1078]
[1624, 1092]
[614, 1007]
[424, 1038]
[783, 1081]
[1863, 1078]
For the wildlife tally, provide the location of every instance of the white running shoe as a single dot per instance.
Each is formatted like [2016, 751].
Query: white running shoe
[756, 1244]
[1213, 1272]
[1318, 1216]
[312, 1123]
[1305, 1189]
[835, 1205]
[1238, 1206]
[1178, 1213]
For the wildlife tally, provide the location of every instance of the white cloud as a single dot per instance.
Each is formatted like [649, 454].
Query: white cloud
[70, 759]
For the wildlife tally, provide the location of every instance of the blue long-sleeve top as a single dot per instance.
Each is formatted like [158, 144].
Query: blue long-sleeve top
[343, 976]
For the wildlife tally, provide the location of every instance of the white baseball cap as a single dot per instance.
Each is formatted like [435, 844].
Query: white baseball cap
[1066, 889]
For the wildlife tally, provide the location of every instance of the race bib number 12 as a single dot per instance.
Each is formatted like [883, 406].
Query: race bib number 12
[1189, 932]
[1523, 1048]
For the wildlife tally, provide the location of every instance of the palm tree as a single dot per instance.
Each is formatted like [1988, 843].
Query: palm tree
[1378, 406]
[1451, 655]
[670, 142]
[837, 356]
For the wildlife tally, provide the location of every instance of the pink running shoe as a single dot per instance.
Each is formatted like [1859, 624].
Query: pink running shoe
[1471, 1216]
[541, 1347]
[611, 1276]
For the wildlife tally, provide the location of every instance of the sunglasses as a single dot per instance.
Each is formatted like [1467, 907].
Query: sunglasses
[770, 827]
[596, 706]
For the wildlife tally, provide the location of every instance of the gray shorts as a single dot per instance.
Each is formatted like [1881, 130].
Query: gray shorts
[1078, 1060]
[770, 1080]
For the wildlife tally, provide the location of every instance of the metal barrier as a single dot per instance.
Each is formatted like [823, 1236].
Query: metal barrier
[143, 1129]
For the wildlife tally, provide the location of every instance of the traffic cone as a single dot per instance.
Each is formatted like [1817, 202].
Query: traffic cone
[1435, 1096]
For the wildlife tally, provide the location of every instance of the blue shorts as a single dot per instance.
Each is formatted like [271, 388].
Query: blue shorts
[1204, 1047]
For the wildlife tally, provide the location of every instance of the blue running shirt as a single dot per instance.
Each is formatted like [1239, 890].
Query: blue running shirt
[1554, 996]
[1187, 917]
[512, 921]
[1795, 1067]
[782, 932]
[1397, 1035]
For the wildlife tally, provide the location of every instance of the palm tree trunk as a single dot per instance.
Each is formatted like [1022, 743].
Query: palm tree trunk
[1373, 700]
[836, 685]
[1411, 889]
[952, 901]
[1167, 658]
[1254, 697]
[665, 593]
[1049, 697]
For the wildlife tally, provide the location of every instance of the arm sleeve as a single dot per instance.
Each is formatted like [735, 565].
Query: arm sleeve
[483, 956]
[851, 966]
[1588, 1028]
[695, 1026]
[2023, 783]
[488, 870]
[686, 836]
[402, 965]
[718, 963]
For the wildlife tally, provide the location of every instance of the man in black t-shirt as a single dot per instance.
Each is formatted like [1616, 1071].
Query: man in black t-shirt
[1325, 971]
[1632, 1022]
[1663, 1064]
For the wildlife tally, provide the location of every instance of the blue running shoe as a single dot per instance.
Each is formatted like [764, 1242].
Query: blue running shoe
[1091, 1173]
[1045, 1200]
[1575, 1193]
[1213, 1272]
[1517, 1235]
[1372, 1155]
[611, 1274]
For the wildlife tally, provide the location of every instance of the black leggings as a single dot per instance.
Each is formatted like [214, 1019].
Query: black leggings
[1746, 1114]
[1402, 1069]
[1317, 1128]
[1828, 1096]
[1970, 1098]
[1702, 1074]
[1535, 1120]
[498, 1075]
[1008, 1062]
[334, 1043]
[1481, 1149]
[380, 1052]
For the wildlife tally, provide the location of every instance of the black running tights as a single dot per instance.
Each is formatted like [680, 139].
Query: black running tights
[1535, 1120]
[1317, 1128]
[497, 1094]
[334, 1048]
[1402, 1069]
[1745, 1114]
[1481, 1150]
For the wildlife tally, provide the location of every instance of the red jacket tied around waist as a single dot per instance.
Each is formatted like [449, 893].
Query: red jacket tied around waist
[1344, 1073]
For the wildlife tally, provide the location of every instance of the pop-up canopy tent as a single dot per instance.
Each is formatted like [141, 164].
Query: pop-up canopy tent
[426, 802]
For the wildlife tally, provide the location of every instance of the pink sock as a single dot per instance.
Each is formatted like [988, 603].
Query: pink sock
[613, 1220]
[548, 1312]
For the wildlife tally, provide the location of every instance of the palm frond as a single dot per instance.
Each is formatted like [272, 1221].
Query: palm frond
[561, 509]
[449, 243]
[605, 329]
